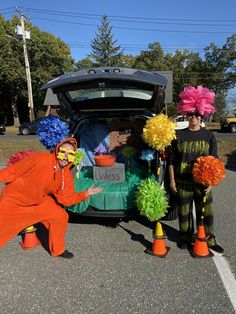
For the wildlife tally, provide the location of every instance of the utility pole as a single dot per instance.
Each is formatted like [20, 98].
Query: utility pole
[27, 67]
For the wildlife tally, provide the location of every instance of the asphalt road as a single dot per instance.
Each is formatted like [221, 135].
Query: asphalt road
[111, 273]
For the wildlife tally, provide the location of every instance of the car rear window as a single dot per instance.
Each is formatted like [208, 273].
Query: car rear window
[86, 94]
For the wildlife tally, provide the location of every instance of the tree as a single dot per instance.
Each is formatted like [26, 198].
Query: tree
[152, 59]
[85, 63]
[186, 67]
[171, 110]
[105, 51]
[220, 66]
[12, 70]
[48, 56]
[220, 105]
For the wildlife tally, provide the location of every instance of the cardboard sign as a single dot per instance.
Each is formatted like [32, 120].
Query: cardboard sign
[115, 173]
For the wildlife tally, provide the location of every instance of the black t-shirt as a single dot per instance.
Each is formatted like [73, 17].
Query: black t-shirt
[188, 146]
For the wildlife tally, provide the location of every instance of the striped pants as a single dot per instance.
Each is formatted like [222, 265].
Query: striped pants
[186, 195]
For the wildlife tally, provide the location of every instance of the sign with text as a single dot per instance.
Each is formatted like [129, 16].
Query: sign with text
[115, 173]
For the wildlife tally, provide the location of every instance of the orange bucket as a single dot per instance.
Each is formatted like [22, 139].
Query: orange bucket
[105, 160]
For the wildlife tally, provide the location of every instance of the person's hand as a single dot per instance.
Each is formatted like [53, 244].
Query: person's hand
[208, 189]
[92, 190]
[173, 186]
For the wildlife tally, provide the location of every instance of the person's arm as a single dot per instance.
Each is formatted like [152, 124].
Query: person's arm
[172, 178]
[172, 149]
[213, 146]
[68, 197]
[212, 152]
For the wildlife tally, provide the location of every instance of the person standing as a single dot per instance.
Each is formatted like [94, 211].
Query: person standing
[190, 144]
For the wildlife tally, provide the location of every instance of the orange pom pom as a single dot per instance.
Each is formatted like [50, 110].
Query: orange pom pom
[208, 170]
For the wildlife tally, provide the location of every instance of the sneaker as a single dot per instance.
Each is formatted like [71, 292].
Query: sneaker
[217, 248]
[66, 254]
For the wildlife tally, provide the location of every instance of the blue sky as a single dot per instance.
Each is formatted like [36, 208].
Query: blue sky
[176, 24]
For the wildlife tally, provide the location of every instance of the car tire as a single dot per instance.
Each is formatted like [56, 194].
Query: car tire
[232, 128]
[25, 131]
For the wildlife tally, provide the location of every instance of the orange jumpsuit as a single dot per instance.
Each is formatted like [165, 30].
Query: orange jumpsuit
[27, 198]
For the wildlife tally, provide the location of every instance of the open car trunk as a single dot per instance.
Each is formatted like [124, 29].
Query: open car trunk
[109, 107]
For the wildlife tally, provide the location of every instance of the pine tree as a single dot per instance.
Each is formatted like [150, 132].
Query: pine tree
[105, 51]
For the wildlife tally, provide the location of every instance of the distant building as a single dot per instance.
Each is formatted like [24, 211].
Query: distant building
[51, 102]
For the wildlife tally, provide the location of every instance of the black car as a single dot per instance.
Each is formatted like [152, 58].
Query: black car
[2, 129]
[109, 106]
[28, 128]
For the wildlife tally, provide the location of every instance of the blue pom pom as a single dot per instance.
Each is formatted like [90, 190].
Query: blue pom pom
[52, 131]
[147, 155]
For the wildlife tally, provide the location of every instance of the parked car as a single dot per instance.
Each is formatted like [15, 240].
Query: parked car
[182, 123]
[28, 128]
[228, 124]
[109, 106]
[2, 129]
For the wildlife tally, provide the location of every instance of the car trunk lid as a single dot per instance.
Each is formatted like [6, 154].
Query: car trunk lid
[109, 89]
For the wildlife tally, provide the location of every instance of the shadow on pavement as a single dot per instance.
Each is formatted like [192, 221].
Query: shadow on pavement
[106, 222]
[138, 237]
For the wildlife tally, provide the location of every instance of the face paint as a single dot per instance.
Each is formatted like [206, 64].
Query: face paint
[66, 152]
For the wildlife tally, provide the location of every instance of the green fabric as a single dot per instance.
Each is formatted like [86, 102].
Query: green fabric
[115, 196]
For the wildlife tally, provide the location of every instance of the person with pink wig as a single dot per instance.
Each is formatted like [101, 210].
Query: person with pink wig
[191, 143]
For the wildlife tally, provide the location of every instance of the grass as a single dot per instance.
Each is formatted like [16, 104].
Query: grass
[214, 126]
[11, 145]
[226, 147]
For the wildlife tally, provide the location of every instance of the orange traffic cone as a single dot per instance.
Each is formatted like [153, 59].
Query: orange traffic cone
[29, 238]
[158, 247]
[200, 248]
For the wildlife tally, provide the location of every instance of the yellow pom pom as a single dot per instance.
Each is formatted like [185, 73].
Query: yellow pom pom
[159, 131]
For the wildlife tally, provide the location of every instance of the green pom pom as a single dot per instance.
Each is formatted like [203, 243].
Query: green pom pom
[151, 200]
[78, 157]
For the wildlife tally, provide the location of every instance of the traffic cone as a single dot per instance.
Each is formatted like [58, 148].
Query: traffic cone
[200, 248]
[29, 238]
[158, 247]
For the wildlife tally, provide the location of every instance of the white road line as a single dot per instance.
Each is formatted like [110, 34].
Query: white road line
[227, 277]
[224, 271]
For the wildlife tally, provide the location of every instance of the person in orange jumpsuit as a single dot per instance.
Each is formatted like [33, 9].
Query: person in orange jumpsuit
[36, 188]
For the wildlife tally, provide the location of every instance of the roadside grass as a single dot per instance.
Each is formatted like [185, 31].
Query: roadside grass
[226, 147]
[213, 126]
[9, 147]
[12, 130]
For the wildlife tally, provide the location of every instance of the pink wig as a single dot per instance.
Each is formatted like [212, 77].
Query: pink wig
[199, 99]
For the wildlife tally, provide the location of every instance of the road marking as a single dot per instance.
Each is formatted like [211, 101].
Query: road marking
[224, 271]
[227, 277]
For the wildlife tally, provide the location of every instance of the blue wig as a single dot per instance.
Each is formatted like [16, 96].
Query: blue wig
[52, 130]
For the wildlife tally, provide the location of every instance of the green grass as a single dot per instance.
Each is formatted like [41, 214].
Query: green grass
[214, 126]
[10, 147]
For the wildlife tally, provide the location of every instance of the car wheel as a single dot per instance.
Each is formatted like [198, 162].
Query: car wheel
[232, 128]
[25, 131]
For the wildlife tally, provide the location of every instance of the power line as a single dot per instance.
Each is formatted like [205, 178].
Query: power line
[125, 17]
[5, 9]
[137, 47]
[9, 12]
[134, 28]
